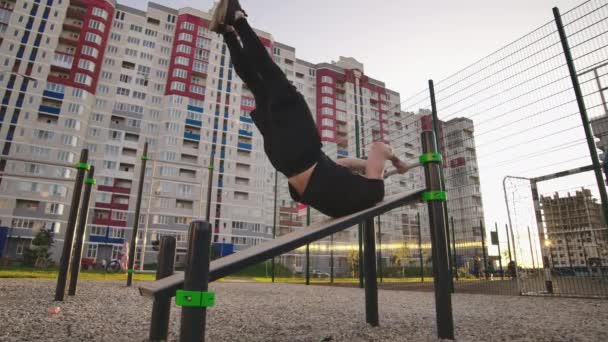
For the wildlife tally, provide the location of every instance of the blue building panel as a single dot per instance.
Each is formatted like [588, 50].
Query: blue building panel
[49, 109]
[195, 109]
[193, 122]
[343, 153]
[245, 133]
[246, 119]
[192, 136]
[245, 146]
[53, 95]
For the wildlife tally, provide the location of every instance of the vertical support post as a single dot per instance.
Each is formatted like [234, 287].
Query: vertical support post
[420, 248]
[568, 251]
[161, 308]
[502, 271]
[508, 242]
[331, 258]
[360, 226]
[380, 248]
[140, 190]
[209, 188]
[80, 230]
[274, 220]
[441, 177]
[583, 111]
[455, 264]
[196, 278]
[68, 240]
[371, 285]
[307, 248]
[539, 218]
[435, 196]
[531, 248]
[484, 251]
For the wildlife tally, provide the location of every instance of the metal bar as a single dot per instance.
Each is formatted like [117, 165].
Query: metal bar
[235, 262]
[531, 248]
[161, 308]
[502, 271]
[601, 90]
[560, 174]
[52, 179]
[360, 226]
[144, 244]
[583, 110]
[455, 265]
[380, 248]
[307, 248]
[331, 259]
[441, 266]
[539, 219]
[196, 278]
[11, 158]
[371, 283]
[209, 191]
[508, 242]
[483, 249]
[140, 190]
[66, 254]
[274, 220]
[420, 248]
[442, 177]
[83, 216]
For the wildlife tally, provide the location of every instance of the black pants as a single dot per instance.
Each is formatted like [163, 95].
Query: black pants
[291, 140]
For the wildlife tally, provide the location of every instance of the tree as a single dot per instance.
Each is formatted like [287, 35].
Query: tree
[353, 262]
[38, 254]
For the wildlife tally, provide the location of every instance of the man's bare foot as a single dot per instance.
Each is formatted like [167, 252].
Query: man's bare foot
[403, 167]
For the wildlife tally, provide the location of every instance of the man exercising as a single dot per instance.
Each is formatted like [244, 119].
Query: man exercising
[291, 140]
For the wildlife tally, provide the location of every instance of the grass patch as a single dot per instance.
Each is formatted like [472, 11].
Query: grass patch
[34, 273]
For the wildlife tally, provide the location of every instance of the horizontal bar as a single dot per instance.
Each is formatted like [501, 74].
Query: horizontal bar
[563, 173]
[286, 243]
[54, 179]
[71, 166]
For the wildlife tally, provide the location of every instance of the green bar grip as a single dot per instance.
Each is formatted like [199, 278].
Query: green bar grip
[194, 299]
[428, 196]
[130, 271]
[430, 158]
[91, 181]
[82, 166]
[145, 158]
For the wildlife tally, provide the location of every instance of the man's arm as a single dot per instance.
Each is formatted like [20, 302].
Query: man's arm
[354, 164]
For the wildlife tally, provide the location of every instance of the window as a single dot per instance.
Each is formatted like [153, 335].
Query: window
[327, 111]
[181, 73]
[106, 75]
[92, 251]
[86, 65]
[328, 134]
[185, 37]
[123, 91]
[97, 25]
[136, 28]
[69, 140]
[112, 49]
[92, 37]
[180, 86]
[119, 215]
[187, 26]
[108, 164]
[327, 90]
[131, 52]
[327, 100]
[143, 70]
[184, 49]
[73, 124]
[115, 36]
[182, 60]
[125, 78]
[149, 44]
[90, 51]
[133, 40]
[83, 79]
[327, 122]
[100, 13]
[54, 209]
[139, 95]
[150, 33]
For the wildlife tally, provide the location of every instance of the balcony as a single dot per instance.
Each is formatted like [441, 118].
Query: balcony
[342, 153]
[192, 136]
[245, 133]
[69, 38]
[76, 12]
[194, 123]
[73, 25]
[49, 109]
[195, 109]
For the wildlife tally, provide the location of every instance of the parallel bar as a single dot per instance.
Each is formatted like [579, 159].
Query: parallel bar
[71, 166]
[420, 248]
[66, 254]
[371, 283]
[583, 111]
[307, 248]
[441, 265]
[140, 190]
[274, 220]
[47, 178]
[484, 251]
[161, 309]
[360, 226]
[380, 248]
[283, 244]
[83, 215]
[502, 271]
[331, 259]
[196, 279]
[455, 264]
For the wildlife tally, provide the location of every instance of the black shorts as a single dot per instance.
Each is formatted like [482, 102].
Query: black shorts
[291, 140]
[336, 191]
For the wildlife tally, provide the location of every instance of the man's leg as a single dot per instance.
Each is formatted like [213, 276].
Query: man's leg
[376, 160]
[255, 50]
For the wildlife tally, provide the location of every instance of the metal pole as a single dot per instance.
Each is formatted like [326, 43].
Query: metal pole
[161, 309]
[583, 110]
[307, 248]
[64, 262]
[455, 265]
[331, 258]
[143, 248]
[196, 278]
[209, 190]
[435, 197]
[140, 190]
[360, 226]
[531, 248]
[420, 248]
[442, 177]
[483, 249]
[502, 271]
[371, 283]
[568, 251]
[380, 248]
[504, 188]
[539, 220]
[80, 230]
[508, 242]
[599, 87]
[274, 221]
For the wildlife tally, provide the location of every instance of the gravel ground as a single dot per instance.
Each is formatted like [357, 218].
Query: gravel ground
[108, 311]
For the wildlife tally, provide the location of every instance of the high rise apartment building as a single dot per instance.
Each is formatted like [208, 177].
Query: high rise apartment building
[110, 78]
